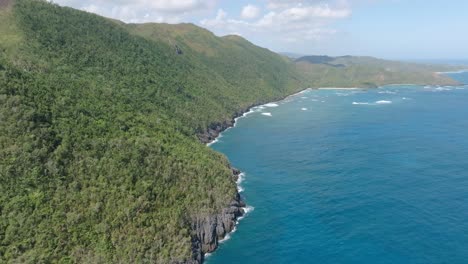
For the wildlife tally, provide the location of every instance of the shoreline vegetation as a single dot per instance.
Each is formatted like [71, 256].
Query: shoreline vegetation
[102, 125]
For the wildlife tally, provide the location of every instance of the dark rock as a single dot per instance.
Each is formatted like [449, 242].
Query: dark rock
[209, 230]
[178, 50]
[242, 204]
[235, 171]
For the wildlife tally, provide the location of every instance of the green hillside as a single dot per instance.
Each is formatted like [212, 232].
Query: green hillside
[100, 157]
[351, 71]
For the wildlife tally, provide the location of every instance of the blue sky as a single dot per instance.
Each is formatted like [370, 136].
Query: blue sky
[394, 29]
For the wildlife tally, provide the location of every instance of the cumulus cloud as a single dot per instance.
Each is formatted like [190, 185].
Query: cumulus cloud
[284, 21]
[250, 12]
[171, 11]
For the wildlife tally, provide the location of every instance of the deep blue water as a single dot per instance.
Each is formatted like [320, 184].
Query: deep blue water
[353, 183]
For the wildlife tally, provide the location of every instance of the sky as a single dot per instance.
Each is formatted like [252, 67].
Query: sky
[391, 29]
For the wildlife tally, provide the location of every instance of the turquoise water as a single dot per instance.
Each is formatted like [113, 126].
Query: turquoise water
[383, 180]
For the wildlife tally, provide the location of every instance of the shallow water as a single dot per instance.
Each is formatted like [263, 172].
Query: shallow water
[358, 176]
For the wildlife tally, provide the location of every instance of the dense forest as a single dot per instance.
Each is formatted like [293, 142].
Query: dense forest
[99, 156]
[99, 160]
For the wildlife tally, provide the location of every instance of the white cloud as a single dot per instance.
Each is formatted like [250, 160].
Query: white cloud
[135, 11]
[176, 6]
[250, 12]
[286, 21]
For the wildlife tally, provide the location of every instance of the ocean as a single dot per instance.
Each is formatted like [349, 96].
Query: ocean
[353, 176]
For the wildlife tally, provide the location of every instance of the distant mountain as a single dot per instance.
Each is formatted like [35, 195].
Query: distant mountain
[102, 126]
[291, 55]
[353, 71]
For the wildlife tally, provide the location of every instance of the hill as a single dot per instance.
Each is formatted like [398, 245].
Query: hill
[100, 129]
[352, 71]
[99, 156]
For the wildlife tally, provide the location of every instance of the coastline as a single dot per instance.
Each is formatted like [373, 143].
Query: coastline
[213, 230]
[217, 227]
[256, 237]
[459, 71]
[214, 131]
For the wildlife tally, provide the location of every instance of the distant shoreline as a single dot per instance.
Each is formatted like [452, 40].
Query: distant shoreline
[459, 71]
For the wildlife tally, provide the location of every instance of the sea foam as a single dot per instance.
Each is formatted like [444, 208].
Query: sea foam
[271, 105]
[383, 102]
[216, 140]
[248, 209]
[266, 114]
[240, 179]
[441, 89]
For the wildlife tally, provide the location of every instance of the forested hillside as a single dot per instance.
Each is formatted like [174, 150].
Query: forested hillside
[99, 159]
[99, 156]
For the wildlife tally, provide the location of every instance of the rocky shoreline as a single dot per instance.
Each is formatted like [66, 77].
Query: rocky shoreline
[208, 231]
[213, 131]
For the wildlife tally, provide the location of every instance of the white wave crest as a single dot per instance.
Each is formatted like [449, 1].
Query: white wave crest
[227, 236]
[240, 178]
[216, 140]
[441, 89]
[239, 181]
[383, 102]
[271, 105]
[360, 103]
[266, 114]
[304, 109]
[248, 209]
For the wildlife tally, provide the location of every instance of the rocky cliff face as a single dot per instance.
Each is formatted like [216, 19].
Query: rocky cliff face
[209, 230]
[213, 131]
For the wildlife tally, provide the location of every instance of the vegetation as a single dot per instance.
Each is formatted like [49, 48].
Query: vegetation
[98, 156]
[349, 71]
[99, 159]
